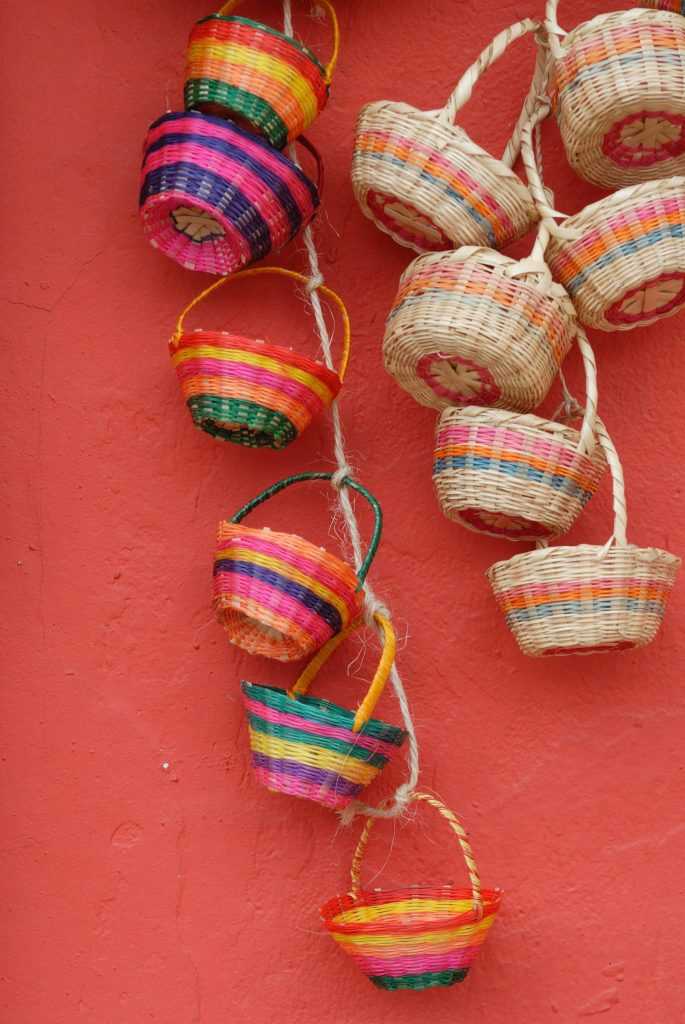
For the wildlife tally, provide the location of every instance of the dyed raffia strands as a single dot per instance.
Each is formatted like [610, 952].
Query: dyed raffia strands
[306, 747]
[215, 198]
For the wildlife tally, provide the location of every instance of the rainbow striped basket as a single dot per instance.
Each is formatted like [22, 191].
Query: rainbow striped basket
[586, 599]
[215, 198]
[414, 938]
[618, 91]
[260, 78]
[422, 180]
[249, 392]
[312, 748]
[279, 595]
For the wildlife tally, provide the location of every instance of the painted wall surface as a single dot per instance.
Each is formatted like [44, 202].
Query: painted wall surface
[145, 876]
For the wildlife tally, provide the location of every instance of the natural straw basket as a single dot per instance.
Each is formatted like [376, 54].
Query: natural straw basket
[264, 80]
[474, 327]
[415, 938]
[586, 599]
[518, 476]
[621, 259]
[618, 90]
[215, 198]
[312, 748]
[247, 391]
[422, 180]
[279, 595]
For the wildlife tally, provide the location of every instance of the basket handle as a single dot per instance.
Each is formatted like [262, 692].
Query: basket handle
[619, 490]
[368, 705]
[347, 482]
[232, 5]
[548, 215]
[537, 89]
[588, 438]
[295, 276]
[456, 827]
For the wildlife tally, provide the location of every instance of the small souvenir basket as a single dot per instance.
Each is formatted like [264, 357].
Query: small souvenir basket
[586, 599]
[515, 475]
[618, 91]
[621, 259]
[422, 180]
[474, 327]
[417, 938]
[247, 391]
[279, 595]
[215, 198]
[315, 749]
[262, 79]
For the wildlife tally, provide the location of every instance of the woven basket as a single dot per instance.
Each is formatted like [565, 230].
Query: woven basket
[258, 77]
[586, 599]
[422, 180]
[417, 938]
[312, 748]
[517, 476]
[676, 6]
[249, 392]
[281, 596]
[621, 259]
[473, 327]
[618, 90]
[215, 198]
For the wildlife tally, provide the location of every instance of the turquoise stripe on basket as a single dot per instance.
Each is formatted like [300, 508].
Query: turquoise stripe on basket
[520, 470]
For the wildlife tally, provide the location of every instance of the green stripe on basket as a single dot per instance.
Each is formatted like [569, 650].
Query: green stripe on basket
[431, 979]
[287, 732]
[252, 425]
[254, 108]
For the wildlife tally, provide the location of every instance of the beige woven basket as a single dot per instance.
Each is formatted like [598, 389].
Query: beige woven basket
[422, 180]
[621, 259]
[518, 476]
[617, 84]
[586, 599]
[474, 327]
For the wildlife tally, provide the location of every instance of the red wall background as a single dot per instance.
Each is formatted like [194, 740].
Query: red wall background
[145, 875]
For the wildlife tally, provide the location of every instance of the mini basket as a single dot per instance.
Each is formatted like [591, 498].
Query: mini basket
[312, 748]
[249, 392]
[417, 938]
[586, 599]
[618, 90]
[279, 595]
[621, 259]
[260, 78]
[514, 475]
[422, 180]
[473, 327]
[215, 198]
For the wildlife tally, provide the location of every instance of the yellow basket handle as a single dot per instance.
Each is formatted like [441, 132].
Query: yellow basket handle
[231, 6]
[293, 275]
[456, 827]
[367, 706]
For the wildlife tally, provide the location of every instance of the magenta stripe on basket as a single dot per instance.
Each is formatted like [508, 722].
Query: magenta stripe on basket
[308, 568]
[171, 201]
[607, 585]
[509, 439]
[271, 597]
[419, 963]
[235, 370]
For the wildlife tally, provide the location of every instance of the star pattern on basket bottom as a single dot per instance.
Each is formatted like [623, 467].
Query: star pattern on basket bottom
[407, 222]
[459, 379]
[646, 138]
[196, 223]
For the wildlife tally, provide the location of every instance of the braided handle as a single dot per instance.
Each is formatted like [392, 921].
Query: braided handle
[548, 215]
[537, 89]
[456, 827]
[619, 489]
[293, 275]
[368, 705]
[587, 431]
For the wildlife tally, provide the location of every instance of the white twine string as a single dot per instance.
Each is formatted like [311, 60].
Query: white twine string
[372, 604]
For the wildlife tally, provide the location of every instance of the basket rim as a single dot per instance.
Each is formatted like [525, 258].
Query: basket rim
[604, 205]
[285, 535]
[492, 899]
[505, 419]
[647, 555]
[616, 17]
[269, 31]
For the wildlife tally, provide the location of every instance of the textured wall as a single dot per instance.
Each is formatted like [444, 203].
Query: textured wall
[145, 876]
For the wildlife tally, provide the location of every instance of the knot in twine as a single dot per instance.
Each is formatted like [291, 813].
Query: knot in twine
[314, 282]
[338, 478]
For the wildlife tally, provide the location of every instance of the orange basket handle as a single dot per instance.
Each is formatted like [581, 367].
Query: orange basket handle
[293, 275]
[367, 706]
[458, 830]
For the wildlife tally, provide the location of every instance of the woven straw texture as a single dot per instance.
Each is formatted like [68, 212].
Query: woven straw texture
[618, 88]
[418, 938]
[473, 327]
[215, 198]
[676, 6]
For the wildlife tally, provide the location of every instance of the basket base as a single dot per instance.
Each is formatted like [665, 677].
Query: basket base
[656, 298]
[618, 645]
[407, 223]
[418, 982]
[241, 422]
[498, 524]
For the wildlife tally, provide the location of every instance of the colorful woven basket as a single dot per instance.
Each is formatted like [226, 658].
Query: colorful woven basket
[676, 6]
[247, 391]
[473, 327]
[621, 259]
[258, 77]
[422, 180]
[517, 476]
[586, 599]
[215, 198]
[618, 90]
[312, 748]
[418, 938]
[279, 595]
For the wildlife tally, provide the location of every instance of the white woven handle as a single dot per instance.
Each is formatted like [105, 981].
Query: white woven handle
[537, 91]
[587, 431]
[548, 215]
[619, 487]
